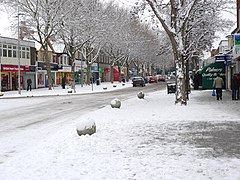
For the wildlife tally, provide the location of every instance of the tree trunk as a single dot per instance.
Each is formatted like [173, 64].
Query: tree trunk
[128, 75]
[48, 67]
[142, 70]
[119, 73]
[111, 74]
[89, 75]
[180, 82]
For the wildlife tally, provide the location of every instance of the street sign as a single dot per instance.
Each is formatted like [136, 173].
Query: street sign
[224, 58]
[237, 39]
[219, 58]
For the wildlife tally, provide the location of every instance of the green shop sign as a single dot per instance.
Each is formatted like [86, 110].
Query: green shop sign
[210, 72]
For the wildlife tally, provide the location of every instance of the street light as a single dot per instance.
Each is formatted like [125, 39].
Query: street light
[0, 68]
[18, 54]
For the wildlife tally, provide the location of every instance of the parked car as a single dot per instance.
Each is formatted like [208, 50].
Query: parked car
[145, 79]
[152, 79]
[138, 81]
[160, 78]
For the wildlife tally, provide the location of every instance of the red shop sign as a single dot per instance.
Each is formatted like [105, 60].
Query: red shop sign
[14, 68]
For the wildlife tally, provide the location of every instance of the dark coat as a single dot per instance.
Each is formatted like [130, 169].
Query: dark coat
[63, 81]
[235, 83]
[29, 81]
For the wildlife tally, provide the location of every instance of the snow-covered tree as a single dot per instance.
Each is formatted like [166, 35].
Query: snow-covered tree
[180, 19]
[42, 16]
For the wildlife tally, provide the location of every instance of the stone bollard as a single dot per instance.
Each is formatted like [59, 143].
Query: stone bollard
[140, 95]
[115, 103]
[86, 127]
[105, 88]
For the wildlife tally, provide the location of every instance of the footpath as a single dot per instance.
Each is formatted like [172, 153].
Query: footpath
[150, 138]
[58, 91]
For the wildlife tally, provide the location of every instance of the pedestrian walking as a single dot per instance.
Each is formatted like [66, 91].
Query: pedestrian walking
[235, 87]
[238, 79]
[73, 85]
[29, 84]
[63, 82]
[196, 81]
[218, 85]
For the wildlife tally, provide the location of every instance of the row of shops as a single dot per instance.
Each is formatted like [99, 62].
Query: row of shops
[38, 75]
[32, 66]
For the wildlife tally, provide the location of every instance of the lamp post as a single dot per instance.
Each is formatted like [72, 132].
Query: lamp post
[18, 53]
[0, 68]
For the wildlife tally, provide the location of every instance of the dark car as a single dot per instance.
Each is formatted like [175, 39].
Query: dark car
[138, 81]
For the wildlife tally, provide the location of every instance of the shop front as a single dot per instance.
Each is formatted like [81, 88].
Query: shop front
[9, 77]
[209, 73]
[42, 73]
[65, 71]
[106, 75]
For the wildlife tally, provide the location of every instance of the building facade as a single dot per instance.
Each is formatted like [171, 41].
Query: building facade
[11, 57]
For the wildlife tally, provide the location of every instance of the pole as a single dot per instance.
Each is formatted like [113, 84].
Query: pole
[18, 54]
[81, 72]
[0, 68]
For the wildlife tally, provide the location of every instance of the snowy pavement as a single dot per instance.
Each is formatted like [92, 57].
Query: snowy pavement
[57, 90]
[150, 138]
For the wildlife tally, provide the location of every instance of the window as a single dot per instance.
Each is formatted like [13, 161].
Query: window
[14, 51]
[4, 50]
[9, 51]
[23, 54]
[28, 53]
[54, 58]
[64, 59]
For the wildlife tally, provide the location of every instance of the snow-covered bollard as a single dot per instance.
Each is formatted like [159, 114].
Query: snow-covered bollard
[116, 103]
[123, 84]
[114, 85]
[104, 87]
[1, 94]
[85, 127]
[140, 95]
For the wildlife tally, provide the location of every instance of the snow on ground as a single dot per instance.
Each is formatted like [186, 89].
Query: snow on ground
[150, 138]
[59, 91]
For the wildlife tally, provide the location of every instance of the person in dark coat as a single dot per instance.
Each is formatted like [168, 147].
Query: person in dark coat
[29, 84]
[238, 78]
[196, 81]
[63, 82]
[235, 87]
